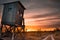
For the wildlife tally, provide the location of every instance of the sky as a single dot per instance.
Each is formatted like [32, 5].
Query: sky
[39, 13]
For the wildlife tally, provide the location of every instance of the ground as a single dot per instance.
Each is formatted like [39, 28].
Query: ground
[35, 36]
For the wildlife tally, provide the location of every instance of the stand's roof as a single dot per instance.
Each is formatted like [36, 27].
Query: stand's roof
[15, 2]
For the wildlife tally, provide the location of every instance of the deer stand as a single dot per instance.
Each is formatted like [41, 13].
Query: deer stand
[13, 16]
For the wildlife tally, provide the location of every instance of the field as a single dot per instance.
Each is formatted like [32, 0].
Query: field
[35, 36]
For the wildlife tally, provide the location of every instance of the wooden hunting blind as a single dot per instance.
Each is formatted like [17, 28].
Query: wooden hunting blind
[13, 14]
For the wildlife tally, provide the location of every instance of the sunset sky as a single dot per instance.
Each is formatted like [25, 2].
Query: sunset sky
[39, 14]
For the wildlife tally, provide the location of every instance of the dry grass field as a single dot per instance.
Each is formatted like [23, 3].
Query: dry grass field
[36, 36]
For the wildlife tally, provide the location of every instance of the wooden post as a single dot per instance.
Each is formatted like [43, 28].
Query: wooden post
[1, 31]
[13, 35]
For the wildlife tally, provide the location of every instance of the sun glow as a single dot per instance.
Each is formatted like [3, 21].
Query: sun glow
[38, 28]
[28, 30]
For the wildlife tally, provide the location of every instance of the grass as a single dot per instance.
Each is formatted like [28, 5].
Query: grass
[36, 35]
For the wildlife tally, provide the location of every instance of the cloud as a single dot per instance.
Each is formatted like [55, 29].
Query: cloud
[58, 1]
[43, 4]
[55, 24]
[46, 15]
[47, 19]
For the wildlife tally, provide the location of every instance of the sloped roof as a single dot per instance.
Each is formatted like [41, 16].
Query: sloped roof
[16, 2]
